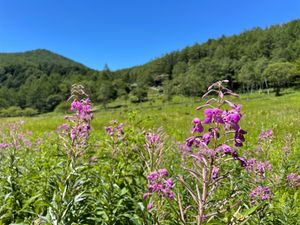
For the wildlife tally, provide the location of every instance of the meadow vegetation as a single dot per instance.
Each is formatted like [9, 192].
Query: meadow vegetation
[140, 164]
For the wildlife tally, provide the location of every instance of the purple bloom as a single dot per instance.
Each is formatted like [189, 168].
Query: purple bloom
[235, 155]
[145, 195]
[227, 149]
[243, 161]
[109, 130]
[263, 166]
[149, 206]
[171, 195]
[239, 137]
[197, 126]
[3, 145]
[153, 138]
[76, 105]
[159, 183]
[260, 193]
[213, 115]
[265, 135]
[293, 180]
[206, 138]
[190, 141]
[251, 163]
[214, 172]
[163, 172]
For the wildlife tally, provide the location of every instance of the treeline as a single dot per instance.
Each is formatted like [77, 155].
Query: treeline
[255, 59]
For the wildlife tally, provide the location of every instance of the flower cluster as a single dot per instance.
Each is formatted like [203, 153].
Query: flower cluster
[78, 129]
[265, 135]
[258, 167]
[83, 116]
[293, 180]
[115, 129]
[158, 182]
[288, 141]
[260, 193]
[228, 118]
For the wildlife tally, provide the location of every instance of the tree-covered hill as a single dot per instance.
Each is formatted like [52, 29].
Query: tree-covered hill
[255, 59]
[38, 57]
[37, 79]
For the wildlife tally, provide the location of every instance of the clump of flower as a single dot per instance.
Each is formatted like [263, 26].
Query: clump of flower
[154, 146]
[265, 135]
[159, 184]
[15, 137]
[293, 180]
[288, 141]
[260, 193]
[115, 129]
[78, 129]
[264, 141]
[259, 168]
[214, 142]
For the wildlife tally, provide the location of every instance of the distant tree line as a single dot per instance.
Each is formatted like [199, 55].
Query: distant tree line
[255, 59]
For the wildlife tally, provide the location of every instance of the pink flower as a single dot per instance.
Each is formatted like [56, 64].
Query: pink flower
[149, 206]
[197, 126]
[213, 115]
[293, 180]
[260, 193]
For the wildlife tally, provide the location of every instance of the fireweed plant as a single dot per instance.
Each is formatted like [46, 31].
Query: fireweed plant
[68, 181]
[213, 162]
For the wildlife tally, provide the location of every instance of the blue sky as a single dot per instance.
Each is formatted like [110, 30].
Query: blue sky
[127, 33]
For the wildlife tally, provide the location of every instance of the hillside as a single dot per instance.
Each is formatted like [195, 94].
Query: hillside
[242, 59]
[255, 59]
[38, 57]
[39, 79]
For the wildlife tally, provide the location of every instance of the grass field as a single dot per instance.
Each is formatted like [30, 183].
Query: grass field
[260, 112]
[281, 114]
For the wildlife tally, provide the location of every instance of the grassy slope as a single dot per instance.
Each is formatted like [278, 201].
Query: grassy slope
[261, 112]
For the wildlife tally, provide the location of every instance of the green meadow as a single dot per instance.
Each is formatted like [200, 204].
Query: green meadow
[261, 112]
[66, 187]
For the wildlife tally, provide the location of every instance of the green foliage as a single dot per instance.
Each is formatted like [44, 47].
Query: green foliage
[279, 74]
[14, 111]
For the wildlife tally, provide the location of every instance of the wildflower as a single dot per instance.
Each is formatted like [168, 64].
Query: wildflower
[243, 161]
[265, 135]
[183, 147]
[206, 138]
[214, 173]
[190, 141]
[227, 149]
[263, 166]
[260, 193]
[293, 180]
[231, 118]
[76, 105]
[149, 206]
[3, 145]
[65, 127]
[109, 130]
[159, 183]
[153, 138]
[251, 163]
[239, 137]
[197, 126]
[213, 115]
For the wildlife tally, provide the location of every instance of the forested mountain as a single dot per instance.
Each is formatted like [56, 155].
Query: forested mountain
[253, 59]
[258, 58]
[38, 79]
